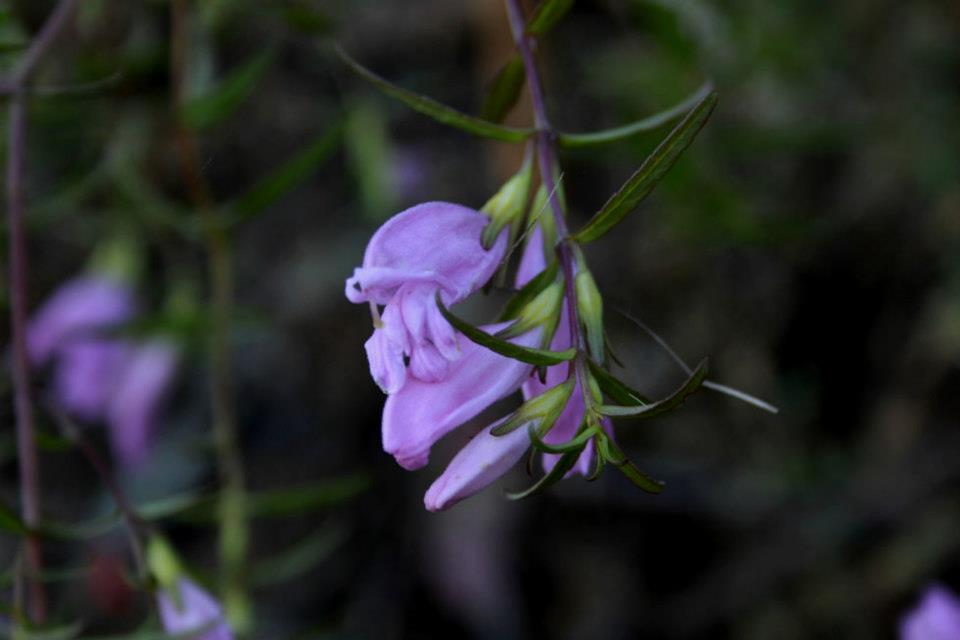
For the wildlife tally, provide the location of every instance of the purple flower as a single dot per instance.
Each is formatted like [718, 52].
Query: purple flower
[192, 609]
[98, 377]
[137, 396]
[432, 247]
[421, 413]
[937, 617]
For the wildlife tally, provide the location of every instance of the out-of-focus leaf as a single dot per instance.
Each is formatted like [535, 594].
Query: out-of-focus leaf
[439, 112]
[299, 500]
[10, 522]
[275, 185]
[576, 140]
[306, 19]
[370, 153]
[641, 183]
[51, 443]
[504, 91]
[612, 452]
[59, 632]
[616, 389]
[12, 46]
[671, 402]
[218, 104]
[8, 578]
[300, 558]
[547, 14]
[503, 347]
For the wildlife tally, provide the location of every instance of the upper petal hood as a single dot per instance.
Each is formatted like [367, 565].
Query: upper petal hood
[421, 413]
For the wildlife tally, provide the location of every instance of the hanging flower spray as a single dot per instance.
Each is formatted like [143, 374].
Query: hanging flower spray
[440, 371]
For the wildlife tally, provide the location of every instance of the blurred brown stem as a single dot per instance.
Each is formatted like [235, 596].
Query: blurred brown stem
[16, 173]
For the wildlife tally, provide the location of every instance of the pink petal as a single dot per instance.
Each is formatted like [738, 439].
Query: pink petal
[481, 461]
[192, 610]
[937, 617]
[421, 413]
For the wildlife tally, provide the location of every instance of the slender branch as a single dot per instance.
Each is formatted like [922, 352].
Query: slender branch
[547, 159]
[16, 172]
[234, 530]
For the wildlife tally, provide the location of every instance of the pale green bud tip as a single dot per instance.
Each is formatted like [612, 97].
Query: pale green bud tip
[163, 562]
[590, 308]
[507, 206]
[542, 311]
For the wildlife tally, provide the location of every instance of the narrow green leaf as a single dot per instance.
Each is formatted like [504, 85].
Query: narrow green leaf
[564, 464]
[528, 292]
[577, 140]
[616, 389]
[284, 178]
[671, 402]
[59, 632]
[577, 443]
[504, 91]
[222, 100]
[504, 348]
[547, 15]
[439, 112]
[618, 458]
[642, 182]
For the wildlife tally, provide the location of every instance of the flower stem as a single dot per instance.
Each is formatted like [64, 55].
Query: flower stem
[16, 172]
[234, 530]
[547, 159]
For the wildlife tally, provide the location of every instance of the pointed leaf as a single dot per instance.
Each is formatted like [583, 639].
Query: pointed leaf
[641, 183]
[504, 348]
[577, 443]
[564, 464]
[284, 178]
[300, 558]
[616, 389]
[298, 500]
[671, 402]
[504, 91]
[612, 452]
[439, 112]
[577, 140]
[547, 15]
[216, 106]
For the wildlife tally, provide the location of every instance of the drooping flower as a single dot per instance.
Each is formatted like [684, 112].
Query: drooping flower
[186, 607]
[936, 617]
[428, 249]
[99, 377]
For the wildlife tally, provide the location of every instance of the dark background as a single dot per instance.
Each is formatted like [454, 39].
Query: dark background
[808, 242]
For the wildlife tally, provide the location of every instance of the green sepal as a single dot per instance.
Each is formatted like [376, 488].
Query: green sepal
[641, 183]
[578, 140]
[504, 348]
[560, 469]
[599, 462]
[543, 214]
[507, 206]
[504, 91]
[544, 409]
[542, 311]
[529, 291]
[436, 110]
[590, 308]
[547, 15]
[660, 407]
[217, 105]
[612, 452]
[577, 443]
[614, 388]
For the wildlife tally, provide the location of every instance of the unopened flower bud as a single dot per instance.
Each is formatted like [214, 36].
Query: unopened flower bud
[507, 206]
[544, 408]
[590, 309]
[542, 311]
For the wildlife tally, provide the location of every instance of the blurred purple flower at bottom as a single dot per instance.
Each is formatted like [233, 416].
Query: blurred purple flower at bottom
[937, 617]
[192, 609]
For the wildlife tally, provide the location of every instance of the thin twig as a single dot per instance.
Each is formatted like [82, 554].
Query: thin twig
[16, 173]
